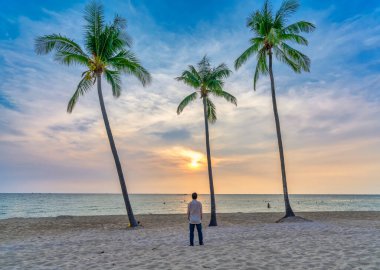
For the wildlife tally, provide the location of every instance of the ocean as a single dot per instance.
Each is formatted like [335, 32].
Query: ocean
[52, 204]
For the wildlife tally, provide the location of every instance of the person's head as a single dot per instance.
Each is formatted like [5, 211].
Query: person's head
[194, 196]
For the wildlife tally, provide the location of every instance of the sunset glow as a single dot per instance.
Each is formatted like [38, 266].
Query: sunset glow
[195, 161]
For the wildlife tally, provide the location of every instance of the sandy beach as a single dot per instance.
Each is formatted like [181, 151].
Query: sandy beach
[334, 240]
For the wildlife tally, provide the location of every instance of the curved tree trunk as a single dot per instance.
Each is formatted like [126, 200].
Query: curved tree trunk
[288, 209]
[128, 206]
[212, 195]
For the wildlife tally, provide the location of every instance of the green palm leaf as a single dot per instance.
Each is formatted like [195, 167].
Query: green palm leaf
[113, 78]
[261, 66]
[94, 16]
[227, 96]
[120, 24]
[190, 77]
[125, 61]
[214, 85]
[300, 26]
[287, 8]
[211, 111]
[186, 101]
[296, 56]
[254, 48]
[220, 72]
[83, 86]
[46, 44]
[282, 57]
[195, 72]
[112, 41]
[204, 66]
[295, 38]
[69, 58]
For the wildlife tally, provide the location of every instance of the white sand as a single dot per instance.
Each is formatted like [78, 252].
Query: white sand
[346, 240]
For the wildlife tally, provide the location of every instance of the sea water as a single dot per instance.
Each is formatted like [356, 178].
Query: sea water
[50, 205]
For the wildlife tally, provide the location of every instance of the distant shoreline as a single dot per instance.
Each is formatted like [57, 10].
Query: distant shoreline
[177, 194]
[258, 214]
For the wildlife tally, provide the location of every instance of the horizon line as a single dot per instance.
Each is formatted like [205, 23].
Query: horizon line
[97, 193]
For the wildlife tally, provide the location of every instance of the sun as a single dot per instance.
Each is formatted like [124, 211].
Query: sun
[194, 163]
[195, 160]
[189, 159]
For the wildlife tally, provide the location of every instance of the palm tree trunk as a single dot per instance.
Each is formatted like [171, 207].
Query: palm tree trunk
[128, 206]
[288, 210]
[212, 195]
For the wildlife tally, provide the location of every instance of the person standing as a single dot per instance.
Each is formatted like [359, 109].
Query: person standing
[194, 215]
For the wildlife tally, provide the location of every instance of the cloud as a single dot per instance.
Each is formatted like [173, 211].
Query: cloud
[174, 135]
[5, 102]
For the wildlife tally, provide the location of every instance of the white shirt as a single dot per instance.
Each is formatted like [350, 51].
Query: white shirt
[194, 212]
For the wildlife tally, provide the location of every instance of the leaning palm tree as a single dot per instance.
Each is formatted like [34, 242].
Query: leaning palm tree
[271, 36]
[106, 54]
[207, 80]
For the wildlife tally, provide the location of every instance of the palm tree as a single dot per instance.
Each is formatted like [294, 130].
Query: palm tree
[207, 80]
[106, 54]
[271, 36]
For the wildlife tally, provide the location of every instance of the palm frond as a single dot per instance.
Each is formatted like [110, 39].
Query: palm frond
[113, 78]
[109, 43]
[220, 72]
[267, 8]
[46, 44]
[294, 38]
[254, 48]
[256, 76]
[190, 77]
[282, 57]
[266, 19]
[94, 16]
[253, 22]
[211, 110]
[69, 58]
[126, 61]
[297, 57]
[227, 96]
[113, 39]
[287, 8]
[120, 24]
[186, 101]
[83, 86]
[194, 72]
[298, 27]
[261, 66]
[204, 67]
[214, 85]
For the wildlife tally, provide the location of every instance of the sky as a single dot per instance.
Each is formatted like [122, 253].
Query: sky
[329, 117]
